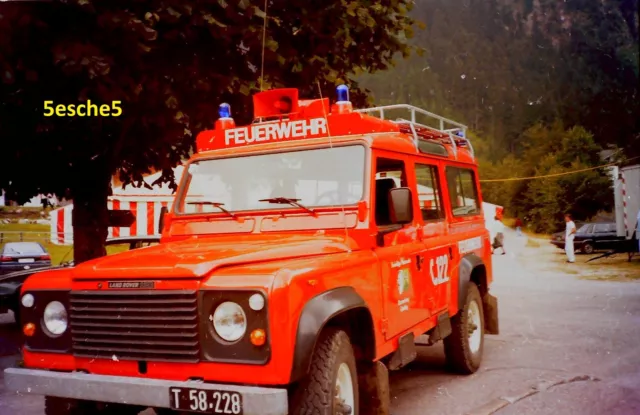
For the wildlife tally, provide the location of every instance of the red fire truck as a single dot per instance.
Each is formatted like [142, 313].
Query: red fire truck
[305, 255]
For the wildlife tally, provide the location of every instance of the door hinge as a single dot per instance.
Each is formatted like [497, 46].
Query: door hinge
[385, 325]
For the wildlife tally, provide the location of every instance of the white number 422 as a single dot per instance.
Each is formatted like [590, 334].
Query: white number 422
[439, 269]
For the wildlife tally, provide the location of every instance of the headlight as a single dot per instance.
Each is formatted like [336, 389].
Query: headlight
[230, 321]
[55, 318]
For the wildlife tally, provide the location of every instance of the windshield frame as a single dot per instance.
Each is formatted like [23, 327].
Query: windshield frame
[184, 181]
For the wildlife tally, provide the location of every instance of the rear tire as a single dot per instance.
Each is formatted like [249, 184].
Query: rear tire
[463, 347]
[331, 387]
[587, 248]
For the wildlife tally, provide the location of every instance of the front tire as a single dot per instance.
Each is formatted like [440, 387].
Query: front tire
[464, 346]
[331, 387]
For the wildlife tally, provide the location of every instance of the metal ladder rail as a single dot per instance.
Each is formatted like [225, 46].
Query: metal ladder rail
[415, 110]
[415, 134]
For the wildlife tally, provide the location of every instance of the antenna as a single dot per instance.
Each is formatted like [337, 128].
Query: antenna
[264, 40]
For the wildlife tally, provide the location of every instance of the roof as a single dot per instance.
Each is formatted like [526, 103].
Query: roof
[314, 123]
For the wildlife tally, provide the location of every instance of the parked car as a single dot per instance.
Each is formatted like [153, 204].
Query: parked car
[10, 284]
[591, 237]
[19, 256]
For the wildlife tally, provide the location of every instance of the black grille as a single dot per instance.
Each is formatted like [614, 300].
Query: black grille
[136, 325]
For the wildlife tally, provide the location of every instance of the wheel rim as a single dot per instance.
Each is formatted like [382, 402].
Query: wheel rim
[344, 402]
[474, 324]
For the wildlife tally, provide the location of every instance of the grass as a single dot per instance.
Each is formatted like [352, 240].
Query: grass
[15, 232]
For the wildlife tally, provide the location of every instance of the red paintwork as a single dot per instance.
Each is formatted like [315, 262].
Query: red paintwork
[292, 258]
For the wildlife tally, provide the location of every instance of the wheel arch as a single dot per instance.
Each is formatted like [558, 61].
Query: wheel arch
[473, 270]
[341, 307]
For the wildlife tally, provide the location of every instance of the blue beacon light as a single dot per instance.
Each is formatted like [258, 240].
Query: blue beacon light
[224, 110]
[343, 94]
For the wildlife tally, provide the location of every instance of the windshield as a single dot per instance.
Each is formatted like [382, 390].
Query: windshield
[318, 177]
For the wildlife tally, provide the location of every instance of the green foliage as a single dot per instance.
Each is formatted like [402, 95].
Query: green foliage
[542, 202]
[501, 66]
[170, 63]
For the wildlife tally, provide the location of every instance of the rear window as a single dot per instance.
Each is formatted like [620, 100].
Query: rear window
[23, 248]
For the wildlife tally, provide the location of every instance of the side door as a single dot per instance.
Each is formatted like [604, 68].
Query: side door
[437, 248]
[467, 229]
[601, 236]
[398, 248]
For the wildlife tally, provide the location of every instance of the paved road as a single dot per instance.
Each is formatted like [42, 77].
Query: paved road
[568, 346]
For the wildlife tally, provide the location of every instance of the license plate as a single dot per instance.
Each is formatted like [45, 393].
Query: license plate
[206, 401]
[26, 260]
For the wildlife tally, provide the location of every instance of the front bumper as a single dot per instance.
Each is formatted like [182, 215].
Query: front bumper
[144, 392]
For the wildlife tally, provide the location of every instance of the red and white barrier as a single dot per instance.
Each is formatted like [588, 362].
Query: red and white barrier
[145, 209]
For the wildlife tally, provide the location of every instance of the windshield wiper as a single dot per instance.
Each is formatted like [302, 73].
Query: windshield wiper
[214, 204]
[288, 201]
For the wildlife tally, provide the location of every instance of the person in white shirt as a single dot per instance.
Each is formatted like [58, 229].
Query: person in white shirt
[498, 232]
[570, 234]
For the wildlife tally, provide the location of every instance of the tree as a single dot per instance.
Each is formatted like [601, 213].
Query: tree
[169, 64]
[544, 201]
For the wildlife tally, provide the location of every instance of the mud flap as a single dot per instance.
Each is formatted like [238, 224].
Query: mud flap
[490, 308]
[373, 381]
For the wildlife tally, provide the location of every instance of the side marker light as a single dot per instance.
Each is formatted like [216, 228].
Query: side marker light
[258, 337]
[29, 329]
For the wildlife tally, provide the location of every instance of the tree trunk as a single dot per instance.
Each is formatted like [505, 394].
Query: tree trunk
[90, 191]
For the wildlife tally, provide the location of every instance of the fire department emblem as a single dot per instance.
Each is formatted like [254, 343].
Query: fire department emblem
[404, 281]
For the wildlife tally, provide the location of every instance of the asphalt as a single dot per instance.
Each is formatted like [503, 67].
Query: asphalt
[567, 346]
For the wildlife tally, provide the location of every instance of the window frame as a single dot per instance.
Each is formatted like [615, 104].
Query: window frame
[435, 176]
[405, 175]
[476, 190]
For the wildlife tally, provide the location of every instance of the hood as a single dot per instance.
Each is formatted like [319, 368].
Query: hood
[197, 257]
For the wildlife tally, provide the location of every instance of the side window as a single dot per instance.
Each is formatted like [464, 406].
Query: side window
[463, 192]
[601, 228]
[429, 193]
[390, 174]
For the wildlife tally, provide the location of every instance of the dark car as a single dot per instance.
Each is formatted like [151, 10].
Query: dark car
[591, 237]
[10, 284]
[19, 256]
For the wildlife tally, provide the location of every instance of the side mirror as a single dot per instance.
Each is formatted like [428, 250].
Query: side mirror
[400, 205]
[163, 212]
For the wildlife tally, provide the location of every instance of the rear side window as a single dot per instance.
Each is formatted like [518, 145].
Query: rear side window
[602, 228]
[463, 192]
[429, 193]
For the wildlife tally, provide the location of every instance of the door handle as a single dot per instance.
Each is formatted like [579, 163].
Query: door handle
[450, 253]
[419, 261]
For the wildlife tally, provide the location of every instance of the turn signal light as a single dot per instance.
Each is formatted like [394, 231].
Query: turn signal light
[258, 337]
[29, 329]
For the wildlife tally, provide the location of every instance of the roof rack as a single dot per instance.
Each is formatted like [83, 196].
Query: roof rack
[446, 128]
